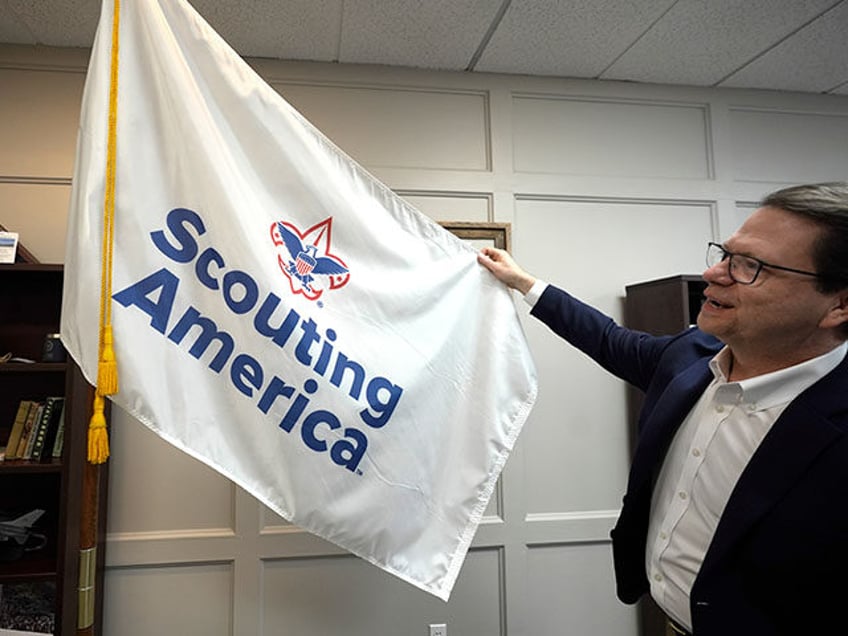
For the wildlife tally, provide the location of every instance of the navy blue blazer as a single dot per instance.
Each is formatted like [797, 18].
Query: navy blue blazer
[778, 563]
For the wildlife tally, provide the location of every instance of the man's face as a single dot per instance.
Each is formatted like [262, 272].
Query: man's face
[780, 316]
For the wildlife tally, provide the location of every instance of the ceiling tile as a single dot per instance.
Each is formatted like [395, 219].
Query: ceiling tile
[58, 22]
[573, 38]
[294, 29]
[774, 44]
[441, 34]
[12, 29]
[815, 59]
[700, 43]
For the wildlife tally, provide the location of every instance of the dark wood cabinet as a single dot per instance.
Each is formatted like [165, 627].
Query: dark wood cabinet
[664, 306]
[659, 307]
[30, 306]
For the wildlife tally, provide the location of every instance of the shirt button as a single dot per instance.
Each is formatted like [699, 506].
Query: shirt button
[663, 536]
[658, 577]
[696, 452]
[720, 408]
[682, 494]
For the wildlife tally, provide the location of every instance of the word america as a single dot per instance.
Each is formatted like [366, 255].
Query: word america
[240, 293]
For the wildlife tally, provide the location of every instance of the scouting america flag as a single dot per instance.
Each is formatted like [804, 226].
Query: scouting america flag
[279, 314]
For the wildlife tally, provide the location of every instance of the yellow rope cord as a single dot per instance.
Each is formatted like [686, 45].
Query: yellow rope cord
[107, 372]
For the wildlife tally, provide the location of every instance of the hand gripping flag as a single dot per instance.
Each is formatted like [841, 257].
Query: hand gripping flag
[277, 312]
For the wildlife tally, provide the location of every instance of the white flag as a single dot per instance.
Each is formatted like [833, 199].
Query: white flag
[281, 315]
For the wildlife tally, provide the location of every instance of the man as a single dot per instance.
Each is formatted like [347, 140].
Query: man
[735, 517]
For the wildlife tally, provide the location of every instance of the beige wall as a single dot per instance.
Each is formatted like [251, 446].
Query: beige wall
[604, 184]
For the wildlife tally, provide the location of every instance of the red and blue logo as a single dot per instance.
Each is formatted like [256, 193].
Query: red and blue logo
[306, 260]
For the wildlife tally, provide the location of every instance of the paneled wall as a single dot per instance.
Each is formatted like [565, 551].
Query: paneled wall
[604, 184]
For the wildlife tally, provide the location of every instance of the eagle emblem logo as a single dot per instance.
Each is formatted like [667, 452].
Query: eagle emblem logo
[306, 260]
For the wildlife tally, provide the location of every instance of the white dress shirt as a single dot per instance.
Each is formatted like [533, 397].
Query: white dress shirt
[532, 296]
[708, 453]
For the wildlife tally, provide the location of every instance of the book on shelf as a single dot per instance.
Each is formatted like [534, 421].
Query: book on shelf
[17, 429]
[35, 431]
[59, 440]
[45, 431]
[25, 450]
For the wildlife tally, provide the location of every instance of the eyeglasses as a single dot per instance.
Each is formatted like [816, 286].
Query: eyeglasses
[745, 269]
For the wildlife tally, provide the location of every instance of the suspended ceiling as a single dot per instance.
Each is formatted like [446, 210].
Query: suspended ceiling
[791, 45]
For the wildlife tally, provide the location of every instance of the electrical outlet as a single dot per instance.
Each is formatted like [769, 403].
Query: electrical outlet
[438, 630]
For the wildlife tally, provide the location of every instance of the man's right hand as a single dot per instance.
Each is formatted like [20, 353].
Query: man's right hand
[505, 269]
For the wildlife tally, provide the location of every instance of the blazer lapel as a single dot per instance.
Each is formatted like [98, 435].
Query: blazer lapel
[797, 437]
[663, 418]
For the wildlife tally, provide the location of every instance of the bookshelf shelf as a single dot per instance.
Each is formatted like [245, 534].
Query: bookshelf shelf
[29, 569]
[12, 368]
[30, 307]
[30, 466]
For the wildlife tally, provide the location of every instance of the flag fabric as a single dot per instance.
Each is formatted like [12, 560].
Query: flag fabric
[281, 315]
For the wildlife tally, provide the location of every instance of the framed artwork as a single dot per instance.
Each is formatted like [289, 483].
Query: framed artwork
[480, 234]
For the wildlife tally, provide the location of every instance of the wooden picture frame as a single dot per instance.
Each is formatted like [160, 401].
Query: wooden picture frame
[481, 234]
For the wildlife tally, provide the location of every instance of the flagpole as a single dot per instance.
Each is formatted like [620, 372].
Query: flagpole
[107, 376]
[88, 550]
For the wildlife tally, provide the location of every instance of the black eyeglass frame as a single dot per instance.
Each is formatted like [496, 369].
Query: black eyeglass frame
[760, 265]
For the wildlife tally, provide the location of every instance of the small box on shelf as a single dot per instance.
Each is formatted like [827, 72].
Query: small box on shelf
[28, 608]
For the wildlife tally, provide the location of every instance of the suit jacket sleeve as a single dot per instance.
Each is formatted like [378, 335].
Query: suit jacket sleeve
[630, 355]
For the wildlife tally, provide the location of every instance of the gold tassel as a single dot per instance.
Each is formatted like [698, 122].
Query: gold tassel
[98, 436]
[107, 369]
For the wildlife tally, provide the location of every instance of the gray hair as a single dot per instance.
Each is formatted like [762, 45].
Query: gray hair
[827, 205]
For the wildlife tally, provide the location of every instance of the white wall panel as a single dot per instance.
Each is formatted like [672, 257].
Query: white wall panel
[792, 147]
[156, 488]
[399, 128]
[578, 433]
[39, 117]
[446, 207]
[191, 600]
[594, 137]
[574, 591]
[344, 596]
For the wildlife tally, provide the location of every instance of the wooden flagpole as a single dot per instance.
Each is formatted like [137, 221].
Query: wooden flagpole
[107, 378]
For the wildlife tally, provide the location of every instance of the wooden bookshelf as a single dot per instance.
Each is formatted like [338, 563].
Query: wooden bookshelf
[30, 307]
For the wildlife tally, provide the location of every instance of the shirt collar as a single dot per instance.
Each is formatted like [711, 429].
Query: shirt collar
[775, 388]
